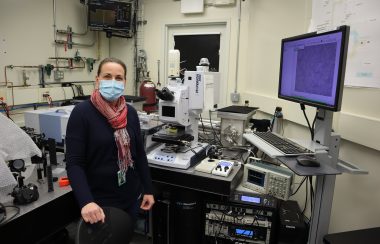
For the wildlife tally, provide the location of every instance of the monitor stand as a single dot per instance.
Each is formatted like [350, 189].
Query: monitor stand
[325, 184]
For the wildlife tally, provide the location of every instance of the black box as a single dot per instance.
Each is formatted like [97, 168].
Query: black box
[292, 227]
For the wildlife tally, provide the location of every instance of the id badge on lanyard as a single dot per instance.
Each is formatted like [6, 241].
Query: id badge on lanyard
[121, 177]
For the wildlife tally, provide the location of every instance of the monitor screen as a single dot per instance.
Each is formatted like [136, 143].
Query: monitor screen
[113, 15]
[313, 67]
[256, 177]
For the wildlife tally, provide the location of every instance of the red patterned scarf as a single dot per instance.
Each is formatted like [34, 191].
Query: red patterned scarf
[117, 117]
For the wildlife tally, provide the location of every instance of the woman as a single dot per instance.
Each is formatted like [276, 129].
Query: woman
[106, 161]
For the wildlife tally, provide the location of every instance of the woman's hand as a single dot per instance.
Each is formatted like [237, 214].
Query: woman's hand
[92, 213]
[147, 202]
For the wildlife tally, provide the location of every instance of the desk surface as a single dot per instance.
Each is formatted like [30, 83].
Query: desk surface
[44, 196]
[292, 164]
[51, 212]
[365, 236]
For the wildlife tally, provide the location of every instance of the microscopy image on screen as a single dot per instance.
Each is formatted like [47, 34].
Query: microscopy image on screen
[315, 69]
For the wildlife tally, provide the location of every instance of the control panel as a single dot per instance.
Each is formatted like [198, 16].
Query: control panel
[164, 157]
[259, 200]
[223, 168]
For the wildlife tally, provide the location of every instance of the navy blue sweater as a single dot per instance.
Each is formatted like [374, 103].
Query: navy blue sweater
[91, 159]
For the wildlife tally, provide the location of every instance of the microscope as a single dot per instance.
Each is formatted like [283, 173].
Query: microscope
[180, 104]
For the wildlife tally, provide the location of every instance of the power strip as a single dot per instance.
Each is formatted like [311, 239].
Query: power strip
[223, 168]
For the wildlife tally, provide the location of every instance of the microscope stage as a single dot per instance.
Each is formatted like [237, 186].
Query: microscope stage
[182, 160]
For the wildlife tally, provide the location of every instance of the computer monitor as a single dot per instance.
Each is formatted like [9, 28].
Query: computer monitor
[110, 16]
[313, 67]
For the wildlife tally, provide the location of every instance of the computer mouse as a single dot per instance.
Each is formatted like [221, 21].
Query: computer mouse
[307, 161]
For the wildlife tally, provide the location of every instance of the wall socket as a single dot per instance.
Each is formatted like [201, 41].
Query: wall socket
[58, 75]
[235, 97]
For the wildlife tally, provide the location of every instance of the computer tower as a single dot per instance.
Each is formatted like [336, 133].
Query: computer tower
[292, 227]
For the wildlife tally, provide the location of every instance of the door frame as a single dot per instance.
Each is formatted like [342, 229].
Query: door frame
[224, 51]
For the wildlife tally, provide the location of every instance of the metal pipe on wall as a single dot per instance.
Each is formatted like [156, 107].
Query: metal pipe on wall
[17, 66]
[55, 30]
[80, 33]
[68, 32]
[62, 42]
[237, 47]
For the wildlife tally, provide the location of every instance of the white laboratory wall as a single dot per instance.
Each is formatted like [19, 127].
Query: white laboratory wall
[159, 13]
[124, 49]
[26, 39]
[356, 198]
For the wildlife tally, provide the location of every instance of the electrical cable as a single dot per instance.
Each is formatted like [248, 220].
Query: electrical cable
[12, 217]
[304, 209]
[307, 120]
[250, 152]
[190, 149]
[2, 207]
[213, 129]
[311, 193]
[220, 224]
[313, 124]
[274, 118]
[72, 88]
[203, 126]
[301, 183]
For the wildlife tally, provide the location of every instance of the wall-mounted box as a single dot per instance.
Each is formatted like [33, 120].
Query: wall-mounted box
[192, 6]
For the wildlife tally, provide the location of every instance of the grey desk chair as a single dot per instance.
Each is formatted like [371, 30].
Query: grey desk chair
[116, 229]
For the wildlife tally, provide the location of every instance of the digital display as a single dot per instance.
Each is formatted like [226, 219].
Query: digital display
[250, 199]
[244, 233]
[255, 177]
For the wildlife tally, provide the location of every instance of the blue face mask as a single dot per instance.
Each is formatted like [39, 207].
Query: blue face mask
[111, 90]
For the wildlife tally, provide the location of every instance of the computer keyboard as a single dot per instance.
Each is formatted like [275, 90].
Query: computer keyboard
[285, 147]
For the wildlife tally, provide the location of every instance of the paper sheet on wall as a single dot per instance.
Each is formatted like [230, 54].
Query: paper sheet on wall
[363, 16]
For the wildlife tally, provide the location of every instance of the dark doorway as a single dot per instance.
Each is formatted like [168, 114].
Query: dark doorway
[195, 47]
